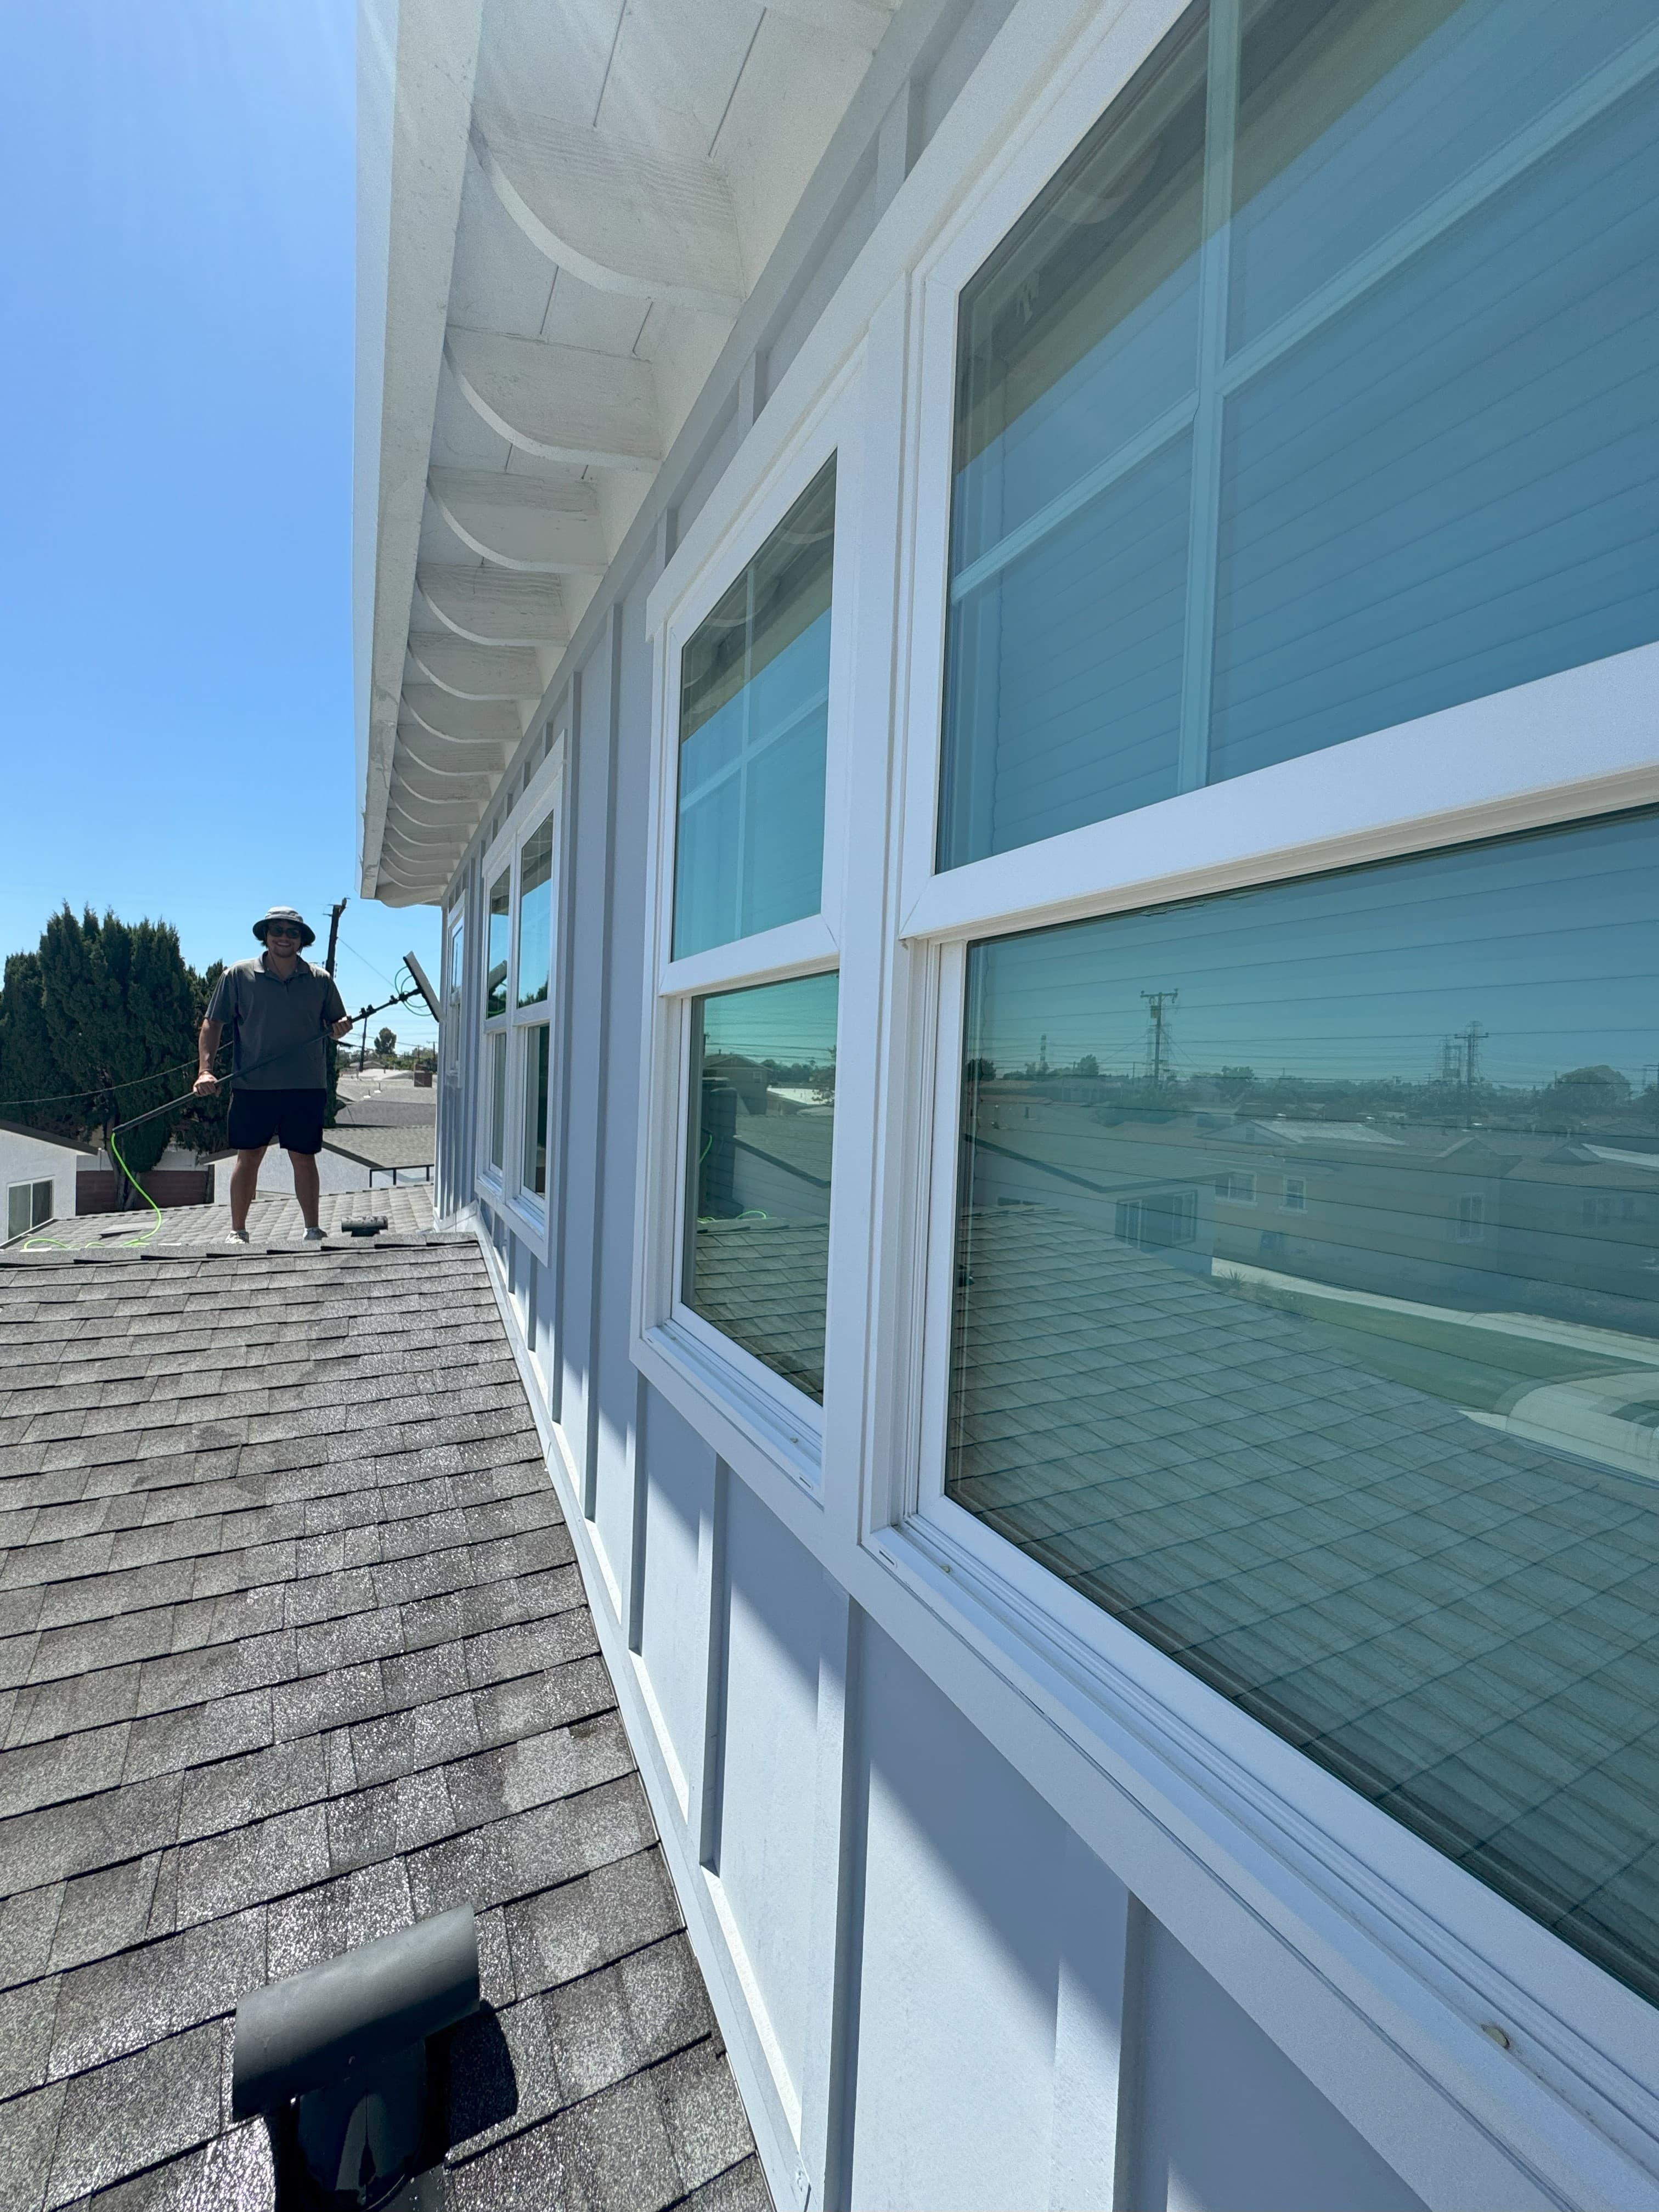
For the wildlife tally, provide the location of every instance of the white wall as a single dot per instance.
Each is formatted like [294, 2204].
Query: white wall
[33, 1159]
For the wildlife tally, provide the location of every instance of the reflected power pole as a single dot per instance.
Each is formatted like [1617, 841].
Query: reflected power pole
[1157, 1002]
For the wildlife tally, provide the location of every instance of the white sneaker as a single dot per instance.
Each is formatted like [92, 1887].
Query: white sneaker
[237, 1236]
[315, 1235]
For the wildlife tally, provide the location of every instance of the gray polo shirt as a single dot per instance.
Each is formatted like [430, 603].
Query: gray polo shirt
[282, 1027]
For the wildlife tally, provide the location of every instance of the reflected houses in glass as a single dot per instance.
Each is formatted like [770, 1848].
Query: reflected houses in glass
[759, 1142]
[498, 949]
[1330, 1303]
[754, 721]
[1314, 395]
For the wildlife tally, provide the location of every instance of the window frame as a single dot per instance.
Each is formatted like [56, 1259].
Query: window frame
[1489, 766]
[33, 1185]
[780, 1421]
[532, 1215]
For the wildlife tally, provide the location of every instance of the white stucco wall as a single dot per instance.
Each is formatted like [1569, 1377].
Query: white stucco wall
[37, 1159]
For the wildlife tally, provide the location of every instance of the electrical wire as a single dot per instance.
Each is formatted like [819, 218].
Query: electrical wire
[97, 1090]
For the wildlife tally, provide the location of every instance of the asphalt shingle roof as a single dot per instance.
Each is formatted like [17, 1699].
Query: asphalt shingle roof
[293, 1651]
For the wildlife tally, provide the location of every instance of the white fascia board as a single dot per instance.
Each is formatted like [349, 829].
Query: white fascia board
[416, 60]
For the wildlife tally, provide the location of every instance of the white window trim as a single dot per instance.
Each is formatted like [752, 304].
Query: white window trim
[1371, 1958]
[1409, 1916]
[530, 1216]
[779, 1427]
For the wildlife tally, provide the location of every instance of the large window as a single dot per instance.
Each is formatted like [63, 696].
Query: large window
[754, 709]
[1315, 394]
[760, 1133]
[1381, 1464]
[518, 1058]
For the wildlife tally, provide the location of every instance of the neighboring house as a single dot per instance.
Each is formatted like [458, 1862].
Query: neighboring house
[37, 1175]
[902, 555]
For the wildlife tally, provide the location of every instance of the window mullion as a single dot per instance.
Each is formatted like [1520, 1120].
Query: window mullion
[1198, 660]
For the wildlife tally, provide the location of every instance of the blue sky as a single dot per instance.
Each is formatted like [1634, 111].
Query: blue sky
[174, 579]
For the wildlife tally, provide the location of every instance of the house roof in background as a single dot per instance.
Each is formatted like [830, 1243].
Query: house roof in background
[45, 1137]
[294, 1652]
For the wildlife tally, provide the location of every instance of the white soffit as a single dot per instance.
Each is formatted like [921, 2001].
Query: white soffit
[581, 194]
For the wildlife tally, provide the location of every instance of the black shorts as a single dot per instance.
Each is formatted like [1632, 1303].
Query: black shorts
[293, 1118]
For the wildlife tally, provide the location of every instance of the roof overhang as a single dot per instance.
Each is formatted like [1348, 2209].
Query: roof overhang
[560, 213]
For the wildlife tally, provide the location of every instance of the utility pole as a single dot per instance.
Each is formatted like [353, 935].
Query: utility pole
[335, 912]
[1156, 1001]
[1472, 1037]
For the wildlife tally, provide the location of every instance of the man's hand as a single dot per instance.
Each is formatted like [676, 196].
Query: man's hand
[341, 1028]
[205, 1084]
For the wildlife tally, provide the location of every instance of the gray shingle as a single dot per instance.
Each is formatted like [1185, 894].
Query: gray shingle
[137, 2111]
[261, 1701]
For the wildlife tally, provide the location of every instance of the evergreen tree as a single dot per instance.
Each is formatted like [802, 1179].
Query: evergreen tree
[119, 1012]
[32, 1080]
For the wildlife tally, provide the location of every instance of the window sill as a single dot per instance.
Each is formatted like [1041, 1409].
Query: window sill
[1402, 1937]
[747, 1421]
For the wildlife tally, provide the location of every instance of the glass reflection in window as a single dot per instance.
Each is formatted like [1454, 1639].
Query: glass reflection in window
[1380, 1463]
[1333, 418]
[534, 1167]
[499, 945]
[758, 1146]
[497, 1044]
[536, 916]
[754, 717]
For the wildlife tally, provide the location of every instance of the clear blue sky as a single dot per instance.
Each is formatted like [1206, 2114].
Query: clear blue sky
[177, 260]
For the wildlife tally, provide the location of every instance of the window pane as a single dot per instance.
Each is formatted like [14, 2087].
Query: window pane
[1448, 487]
[762, 1121]
[1068, 560]
[1307, 1321]
[536, 916]
[754, 703]
[1375, 433]
[497, 1044]
[535, 1110]
[500, 945]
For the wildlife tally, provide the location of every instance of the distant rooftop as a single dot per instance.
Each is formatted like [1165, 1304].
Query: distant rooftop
[294, 1652]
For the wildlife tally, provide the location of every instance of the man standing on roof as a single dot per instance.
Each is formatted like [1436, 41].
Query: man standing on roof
[281, 1011]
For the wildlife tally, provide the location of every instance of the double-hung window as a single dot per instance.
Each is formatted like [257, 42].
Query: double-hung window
[520, 983]
[1314, 397]
[748, 990]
